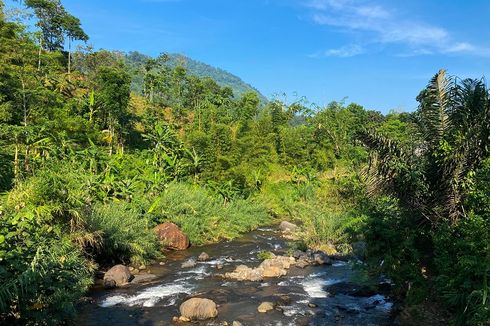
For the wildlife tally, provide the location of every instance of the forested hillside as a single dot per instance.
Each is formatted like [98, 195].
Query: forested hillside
[136, 62]
[89, 168]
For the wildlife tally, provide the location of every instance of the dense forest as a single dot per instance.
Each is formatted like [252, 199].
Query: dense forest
[89, 166]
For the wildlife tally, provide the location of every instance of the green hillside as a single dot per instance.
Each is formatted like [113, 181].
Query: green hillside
[136, 61]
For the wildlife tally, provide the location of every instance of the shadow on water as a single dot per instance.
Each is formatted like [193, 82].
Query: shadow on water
[302, 296]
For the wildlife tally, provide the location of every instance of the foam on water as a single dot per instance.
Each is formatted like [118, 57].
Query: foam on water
[314, 286]
[339, 264]
[148, 297]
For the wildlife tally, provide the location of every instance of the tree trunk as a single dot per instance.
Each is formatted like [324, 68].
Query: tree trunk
[69, 58]
[24, 101]
[16, 161]
[26, 160]
[39, 53]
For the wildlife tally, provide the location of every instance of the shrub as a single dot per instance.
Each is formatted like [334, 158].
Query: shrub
[125, 234]
[42, 281]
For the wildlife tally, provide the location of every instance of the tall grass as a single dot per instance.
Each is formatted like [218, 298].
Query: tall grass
[125, 233]
[204, 217]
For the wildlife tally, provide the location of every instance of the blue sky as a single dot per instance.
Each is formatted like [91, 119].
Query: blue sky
[378, 53]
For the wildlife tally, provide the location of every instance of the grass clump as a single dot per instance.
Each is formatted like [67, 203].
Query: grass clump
[204, 217]
[124, 233]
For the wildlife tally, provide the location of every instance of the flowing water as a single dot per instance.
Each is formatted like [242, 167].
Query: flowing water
[301, 295]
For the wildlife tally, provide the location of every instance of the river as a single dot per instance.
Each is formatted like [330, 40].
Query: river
[302, 295]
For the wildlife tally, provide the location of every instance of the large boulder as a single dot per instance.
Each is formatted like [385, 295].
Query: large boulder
[245, 273]
[289, 227]
[198, 309]
[273, 267]
[117, 276]
[172, 237]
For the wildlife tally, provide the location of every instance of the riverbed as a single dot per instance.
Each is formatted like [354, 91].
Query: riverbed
[302, 296]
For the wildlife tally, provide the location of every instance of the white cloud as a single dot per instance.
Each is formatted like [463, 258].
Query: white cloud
[342, 52]
[376, 24]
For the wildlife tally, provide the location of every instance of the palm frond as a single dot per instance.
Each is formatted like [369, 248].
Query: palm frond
[435, 102]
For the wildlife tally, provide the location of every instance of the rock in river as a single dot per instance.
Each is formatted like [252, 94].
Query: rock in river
[117, 276]
[203, 257]
[288, 227]
[273, 267]
[265, 307]
[198, 309]
[189, 263]
[172, 237]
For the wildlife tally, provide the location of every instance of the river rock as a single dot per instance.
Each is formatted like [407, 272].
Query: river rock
[245, 273]
[265, 307]
[321, 258]
[348, 288]
[203, 257]
[189, 263]
[198, 309]
[117, 276]
[273, 267]
[236, 323]
[288, 227]
[302, 263]
[172, 237]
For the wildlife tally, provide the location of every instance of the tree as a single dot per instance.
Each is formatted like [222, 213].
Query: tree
[112, 94]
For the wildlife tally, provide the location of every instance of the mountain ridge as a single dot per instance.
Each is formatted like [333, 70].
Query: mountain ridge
[196, 68]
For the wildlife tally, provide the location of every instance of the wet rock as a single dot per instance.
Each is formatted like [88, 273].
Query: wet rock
[143, 278]
[265, 307]
[172, 237]
[236, 323]
[312, 305]
[219, 266]
[297, 254]
[162, 263]
[284, 300]
[348, 288]
[321, 258]
[302, 263]
[203, 256]
[190, 263]
[142, 267]
[117, 276]
[288, 227]
[198, 309]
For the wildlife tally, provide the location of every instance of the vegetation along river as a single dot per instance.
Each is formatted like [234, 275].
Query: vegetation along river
[313, 295]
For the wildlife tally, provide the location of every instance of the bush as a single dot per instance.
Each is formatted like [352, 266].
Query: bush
[204, 217]
[462, 259]
[125, 234]
[44, 283]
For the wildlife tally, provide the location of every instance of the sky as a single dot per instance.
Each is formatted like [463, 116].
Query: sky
[377, 53]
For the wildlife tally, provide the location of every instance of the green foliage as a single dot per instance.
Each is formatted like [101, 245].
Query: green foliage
[42, 274]
[125, 234]
[263, 255]
[204, 217]
[429, 229]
